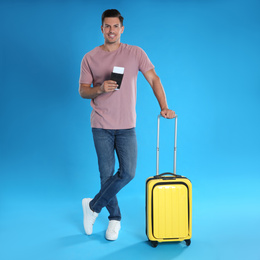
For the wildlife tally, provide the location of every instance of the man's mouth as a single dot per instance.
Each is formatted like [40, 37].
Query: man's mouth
[111, 35]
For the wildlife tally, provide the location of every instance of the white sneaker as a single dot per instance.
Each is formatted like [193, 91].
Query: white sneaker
[89, 216]
[113, 230]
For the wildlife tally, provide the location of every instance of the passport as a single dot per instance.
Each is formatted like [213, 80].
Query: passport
[117, 75]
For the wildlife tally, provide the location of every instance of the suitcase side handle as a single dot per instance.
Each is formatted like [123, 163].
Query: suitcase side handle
[158, 142]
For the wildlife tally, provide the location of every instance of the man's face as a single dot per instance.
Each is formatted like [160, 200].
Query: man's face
[112, 29]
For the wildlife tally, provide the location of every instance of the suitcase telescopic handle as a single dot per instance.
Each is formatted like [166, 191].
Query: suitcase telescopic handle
[158, 142]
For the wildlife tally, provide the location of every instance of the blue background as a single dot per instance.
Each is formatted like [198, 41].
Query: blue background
[208, 58]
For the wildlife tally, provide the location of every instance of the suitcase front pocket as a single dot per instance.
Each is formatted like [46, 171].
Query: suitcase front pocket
[170, 211]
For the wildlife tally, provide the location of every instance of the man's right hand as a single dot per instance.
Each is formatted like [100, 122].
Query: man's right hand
[108, 86]
[86, 91]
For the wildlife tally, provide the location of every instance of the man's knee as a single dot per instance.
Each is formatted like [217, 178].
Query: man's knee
[128, 175]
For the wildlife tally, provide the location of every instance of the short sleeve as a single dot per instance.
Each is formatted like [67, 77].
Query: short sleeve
[85, 72]
[144, 62]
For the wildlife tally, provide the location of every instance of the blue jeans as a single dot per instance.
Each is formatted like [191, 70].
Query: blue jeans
[107, 142]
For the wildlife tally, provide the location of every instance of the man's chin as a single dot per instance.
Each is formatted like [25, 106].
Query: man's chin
[111, 41]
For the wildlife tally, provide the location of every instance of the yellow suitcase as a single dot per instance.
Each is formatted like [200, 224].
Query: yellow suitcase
[168, 204]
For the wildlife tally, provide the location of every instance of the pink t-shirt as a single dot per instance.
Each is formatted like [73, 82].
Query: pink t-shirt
[114, 110]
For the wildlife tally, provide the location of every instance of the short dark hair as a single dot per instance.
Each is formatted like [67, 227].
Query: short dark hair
[112, 13]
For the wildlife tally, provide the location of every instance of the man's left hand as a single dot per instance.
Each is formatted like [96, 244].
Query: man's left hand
[167, 113]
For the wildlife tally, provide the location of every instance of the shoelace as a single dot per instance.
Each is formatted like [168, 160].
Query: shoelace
[113, 227]
[93, 217]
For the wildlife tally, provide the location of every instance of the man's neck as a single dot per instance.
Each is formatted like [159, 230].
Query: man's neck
[110, 47]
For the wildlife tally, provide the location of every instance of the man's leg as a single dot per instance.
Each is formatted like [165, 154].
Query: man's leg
[126, 148]
[104, 141]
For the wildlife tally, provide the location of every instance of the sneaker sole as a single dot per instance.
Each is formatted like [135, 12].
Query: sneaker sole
[85, 202]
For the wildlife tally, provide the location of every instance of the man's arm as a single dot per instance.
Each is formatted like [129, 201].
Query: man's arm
[86, 91]
[158, 91]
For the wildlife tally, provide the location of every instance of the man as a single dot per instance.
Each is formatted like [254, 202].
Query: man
[113, 116]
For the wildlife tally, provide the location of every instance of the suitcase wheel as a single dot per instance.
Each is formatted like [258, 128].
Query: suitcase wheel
[154, 243]
[188, 241]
